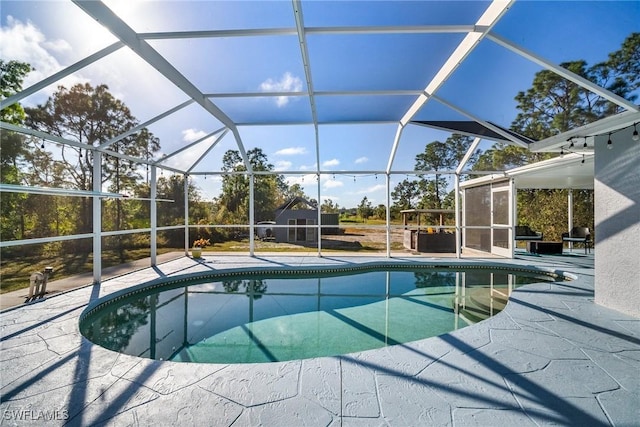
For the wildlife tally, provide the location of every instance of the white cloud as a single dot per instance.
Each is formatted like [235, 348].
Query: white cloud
[307, 167]
[362, 160]
[190, 135]
[25, 42]
[373, 189]
[291, 151]
[57, 45]
[329, 163]
[282, 165]
[332, 183]
[287, 83]
[302, 180]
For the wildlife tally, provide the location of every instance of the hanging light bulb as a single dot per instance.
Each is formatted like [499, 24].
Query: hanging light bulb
[42, 145]
[582, 159]
[609, 142]
[585, 143]
[635, 135]
[562, 151]
[571, 145]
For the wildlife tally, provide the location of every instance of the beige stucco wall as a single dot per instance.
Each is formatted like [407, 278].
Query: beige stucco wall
[617, 223]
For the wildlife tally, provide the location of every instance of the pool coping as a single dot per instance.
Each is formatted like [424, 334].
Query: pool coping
[551, 357]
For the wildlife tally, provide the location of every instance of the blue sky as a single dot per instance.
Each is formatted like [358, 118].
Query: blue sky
[54, 34]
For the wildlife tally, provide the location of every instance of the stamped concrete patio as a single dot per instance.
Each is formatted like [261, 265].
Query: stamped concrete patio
[552, 357]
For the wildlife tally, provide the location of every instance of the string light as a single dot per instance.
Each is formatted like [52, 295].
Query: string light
[609, 142]
[635, 135]
[42, 145]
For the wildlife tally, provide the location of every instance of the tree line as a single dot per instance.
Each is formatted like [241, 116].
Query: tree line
[93, 116]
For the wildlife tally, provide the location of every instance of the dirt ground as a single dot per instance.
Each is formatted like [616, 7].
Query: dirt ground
[350, 239]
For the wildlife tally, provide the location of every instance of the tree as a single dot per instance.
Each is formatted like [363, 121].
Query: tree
[405, 195]
[365, 210]
[293, 191]
[12, 150]
[438, 156]
[554, 105]
[93, 116]
[233, 203]
[380, 211]
[329, 207]
[12, 76]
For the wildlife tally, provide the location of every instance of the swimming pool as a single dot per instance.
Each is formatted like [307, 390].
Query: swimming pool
[267, 316]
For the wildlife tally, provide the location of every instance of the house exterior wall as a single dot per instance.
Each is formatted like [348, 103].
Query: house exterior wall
[617, 223]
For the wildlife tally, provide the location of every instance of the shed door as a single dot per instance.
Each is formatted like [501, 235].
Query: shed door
[291, 230]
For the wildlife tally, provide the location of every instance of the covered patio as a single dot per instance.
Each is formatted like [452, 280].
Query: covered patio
[490, 216]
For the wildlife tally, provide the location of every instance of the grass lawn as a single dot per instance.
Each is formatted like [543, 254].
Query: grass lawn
[14, 273]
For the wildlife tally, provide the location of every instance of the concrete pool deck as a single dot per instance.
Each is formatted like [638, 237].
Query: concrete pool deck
[552, 357]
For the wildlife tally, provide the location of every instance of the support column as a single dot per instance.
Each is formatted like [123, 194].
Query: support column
[251, 215]
[153, 215]
[97, 217]
[513, 207]
[319, 232]
[187, 243]
[456, 181]
[570, 214]
[388, 216]
[570, 210]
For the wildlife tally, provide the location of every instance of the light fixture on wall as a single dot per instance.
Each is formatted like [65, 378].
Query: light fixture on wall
[635, 135]
[609, 142]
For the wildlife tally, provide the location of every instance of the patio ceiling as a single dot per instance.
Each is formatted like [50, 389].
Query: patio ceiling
[227, 67]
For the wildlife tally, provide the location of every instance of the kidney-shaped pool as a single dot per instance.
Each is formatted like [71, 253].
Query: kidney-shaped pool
[267, 316]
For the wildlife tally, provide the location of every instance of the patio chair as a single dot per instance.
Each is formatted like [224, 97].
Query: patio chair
[524, 232]
[579, 235]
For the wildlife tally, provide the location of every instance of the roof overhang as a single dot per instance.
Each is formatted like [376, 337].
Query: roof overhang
[574, 170]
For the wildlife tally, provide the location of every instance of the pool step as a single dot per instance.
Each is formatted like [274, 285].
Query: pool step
[478, 304]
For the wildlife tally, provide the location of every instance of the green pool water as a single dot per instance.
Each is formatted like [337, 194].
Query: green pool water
[269, 318]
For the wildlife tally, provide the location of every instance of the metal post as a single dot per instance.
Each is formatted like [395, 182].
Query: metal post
[388, 216]
[187, 243]
[319, 234]
[153, 214]
[251, 215]
[513, 207]
[456, 180]
[570, 214]
[97, 217]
